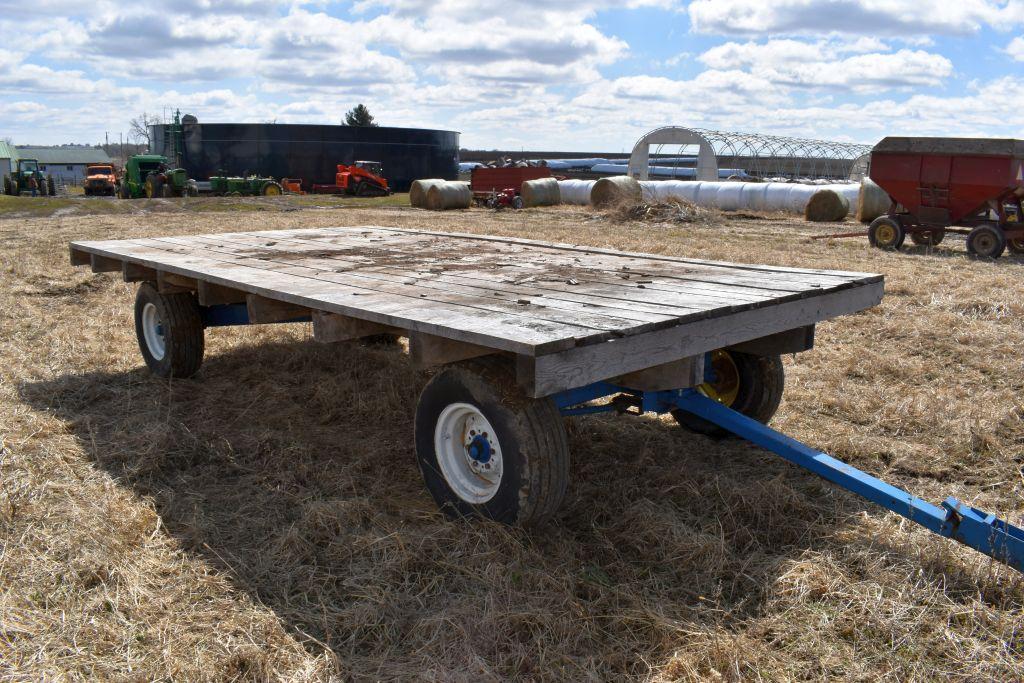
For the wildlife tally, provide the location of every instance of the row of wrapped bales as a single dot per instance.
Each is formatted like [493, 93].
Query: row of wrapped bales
[732, 196]
[540, 192]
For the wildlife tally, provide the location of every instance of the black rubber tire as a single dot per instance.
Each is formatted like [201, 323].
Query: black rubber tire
[8, 185]
[986, 241]
[517, 203]
[51, 188]
[931, 238]
[87, 192]
[762, 381]
[184, 337]
[894, 243]
[1015, 245]
[272, 184]
[534, 444]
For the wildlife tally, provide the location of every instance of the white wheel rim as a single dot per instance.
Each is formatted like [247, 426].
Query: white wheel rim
[152, 330]
[468, 452]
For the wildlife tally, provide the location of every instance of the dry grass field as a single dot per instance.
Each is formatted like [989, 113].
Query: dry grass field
[266, 520]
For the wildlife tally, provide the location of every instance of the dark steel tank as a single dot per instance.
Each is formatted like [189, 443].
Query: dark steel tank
[309, 152]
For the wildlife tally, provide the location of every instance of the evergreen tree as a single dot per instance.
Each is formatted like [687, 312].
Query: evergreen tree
[359, 116]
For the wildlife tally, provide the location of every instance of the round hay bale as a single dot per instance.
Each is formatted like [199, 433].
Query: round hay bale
[541, 192]
[576, 192]
[448, 195]
[615, 190]
[872, 201]
[826, 206]
[418, 191]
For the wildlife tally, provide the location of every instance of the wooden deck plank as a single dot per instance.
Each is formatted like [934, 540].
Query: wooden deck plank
[587, 255]
[418, 247]
[512, 277]
[667, 306]
[412, 313]
[588, 323]
[621, 315]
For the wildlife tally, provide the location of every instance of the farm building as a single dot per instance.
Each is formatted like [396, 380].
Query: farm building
[66, 164]
[8, 155]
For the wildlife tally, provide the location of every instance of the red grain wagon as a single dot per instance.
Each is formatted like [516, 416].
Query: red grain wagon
[971, 186]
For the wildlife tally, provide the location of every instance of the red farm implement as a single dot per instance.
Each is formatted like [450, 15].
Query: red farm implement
[969, 186]
[496, 187]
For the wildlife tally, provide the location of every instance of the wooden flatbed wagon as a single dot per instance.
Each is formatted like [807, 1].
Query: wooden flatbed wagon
[525, 332]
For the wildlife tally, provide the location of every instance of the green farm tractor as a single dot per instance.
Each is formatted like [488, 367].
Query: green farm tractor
[148, 175]
[248, 186]
[25, 176]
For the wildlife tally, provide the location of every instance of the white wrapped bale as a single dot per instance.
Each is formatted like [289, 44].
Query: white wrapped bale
[418, 191]
[872, 201]
[614, 190]
[826, 206]
[575, 192]
[448, 195]
[540, 192]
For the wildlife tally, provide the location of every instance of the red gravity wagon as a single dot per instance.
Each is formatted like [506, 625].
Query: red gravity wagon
[971, 186]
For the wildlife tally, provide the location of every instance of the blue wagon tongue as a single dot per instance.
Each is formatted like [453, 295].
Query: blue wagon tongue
[979, 530]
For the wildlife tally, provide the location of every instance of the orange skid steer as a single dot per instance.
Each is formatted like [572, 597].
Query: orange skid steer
[361, 179]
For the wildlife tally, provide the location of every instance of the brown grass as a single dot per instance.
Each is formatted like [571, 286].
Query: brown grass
[267, 521]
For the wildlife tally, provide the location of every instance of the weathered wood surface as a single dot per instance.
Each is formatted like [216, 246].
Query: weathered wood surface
[582, 311]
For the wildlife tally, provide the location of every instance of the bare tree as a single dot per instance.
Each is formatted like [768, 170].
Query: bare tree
[138, 128]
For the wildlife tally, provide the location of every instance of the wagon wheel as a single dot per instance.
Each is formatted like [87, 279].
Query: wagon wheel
[485, 449]
[272, 189]
[986, 241]
[928, 238]
[1015, 245]
[748, 384]
[169, 329]
[886, 233]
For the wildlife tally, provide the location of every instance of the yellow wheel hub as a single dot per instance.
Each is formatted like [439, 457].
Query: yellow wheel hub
[726, 385]
[272, 190]
[885, 234]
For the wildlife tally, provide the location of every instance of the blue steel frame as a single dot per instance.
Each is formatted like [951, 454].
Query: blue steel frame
[226, 315]
[956, 520]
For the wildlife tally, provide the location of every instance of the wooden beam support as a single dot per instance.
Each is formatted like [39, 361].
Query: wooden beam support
[217, 295]
[332, 327]
[169, 283]
[263, 310]
[133, 272]
[80, 258]
[580, 366]
[791, 341]
[426, 350]
[104, 264]
[678, 374]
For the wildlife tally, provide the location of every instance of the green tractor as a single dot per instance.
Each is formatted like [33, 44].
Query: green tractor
[27, 173]
[147, 175]
[249, 186]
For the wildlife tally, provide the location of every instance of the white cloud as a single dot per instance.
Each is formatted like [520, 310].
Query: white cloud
[865, 17]
[1016, 49]
[830, 64]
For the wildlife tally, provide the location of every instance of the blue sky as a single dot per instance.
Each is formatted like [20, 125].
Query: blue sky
[574, 75]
